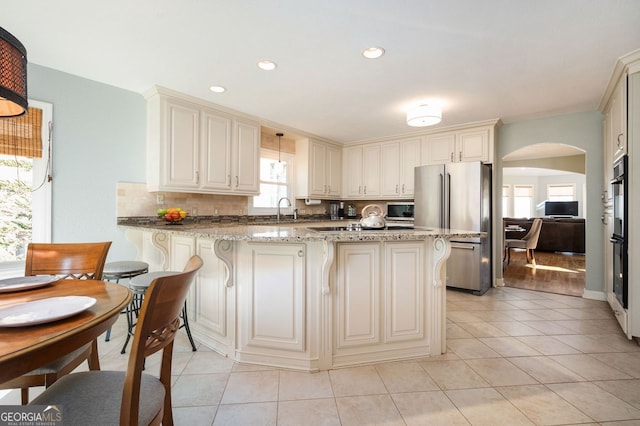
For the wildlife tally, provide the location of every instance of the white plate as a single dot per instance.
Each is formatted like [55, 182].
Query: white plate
[24, 283]
[44, 310]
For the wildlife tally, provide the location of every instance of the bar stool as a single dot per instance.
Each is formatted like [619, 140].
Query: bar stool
[139, 285]
[115, 271]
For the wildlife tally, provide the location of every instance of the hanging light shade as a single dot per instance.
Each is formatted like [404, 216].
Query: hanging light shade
[424, 115]
[13, 76]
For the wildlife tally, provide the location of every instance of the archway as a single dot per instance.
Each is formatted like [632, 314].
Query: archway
[536, 180]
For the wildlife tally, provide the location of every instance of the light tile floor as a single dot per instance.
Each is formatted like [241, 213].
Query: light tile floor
[514, 357]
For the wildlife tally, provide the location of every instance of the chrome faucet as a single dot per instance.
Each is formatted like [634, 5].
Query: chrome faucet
[279, 201]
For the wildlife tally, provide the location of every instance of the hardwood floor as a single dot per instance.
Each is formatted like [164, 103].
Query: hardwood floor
[561, 273]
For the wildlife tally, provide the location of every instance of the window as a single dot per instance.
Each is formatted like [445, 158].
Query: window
[275, 183]
[25, 203]
[522, 200]
[506, 201]
[561, 192]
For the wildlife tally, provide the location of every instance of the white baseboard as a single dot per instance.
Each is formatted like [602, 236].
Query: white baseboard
[594, 295]
[499, 282]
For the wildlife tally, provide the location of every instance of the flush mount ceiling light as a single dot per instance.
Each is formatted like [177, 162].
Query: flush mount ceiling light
[373, 52]
[267, 65]
[424, 115]
[13, 76]
[217, 89]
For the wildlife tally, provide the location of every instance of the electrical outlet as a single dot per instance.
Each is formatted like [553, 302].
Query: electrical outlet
[194, 211]
[215, 212]
[160, 199]
[302, 211]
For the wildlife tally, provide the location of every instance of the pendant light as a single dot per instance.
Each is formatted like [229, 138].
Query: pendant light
[279, 168]
[13, 76]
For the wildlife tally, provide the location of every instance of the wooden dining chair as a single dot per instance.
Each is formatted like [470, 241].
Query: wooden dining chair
[529, 242]
[69, 261]
[131, 397]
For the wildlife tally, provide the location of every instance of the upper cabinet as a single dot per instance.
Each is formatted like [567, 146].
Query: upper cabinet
[615, 113]
[318, 169]
[195, 148]
[362, 171]
[399, 158]
[474, 144]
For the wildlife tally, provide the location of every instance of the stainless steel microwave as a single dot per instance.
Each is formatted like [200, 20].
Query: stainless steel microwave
[400, 211]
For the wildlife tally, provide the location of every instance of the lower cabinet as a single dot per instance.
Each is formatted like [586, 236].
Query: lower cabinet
[379, 301]
[275, 306]
[214, 302]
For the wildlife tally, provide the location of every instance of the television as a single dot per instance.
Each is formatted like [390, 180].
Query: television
[561, 208]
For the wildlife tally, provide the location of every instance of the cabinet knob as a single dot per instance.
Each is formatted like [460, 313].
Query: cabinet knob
[237, 181]
[197, 178]
[452, 156]
[300, 253]
[460, 156]
[403, 188]
[365, 190]
[229, 181]
[396, 188]
[618, 143]
[360, 189]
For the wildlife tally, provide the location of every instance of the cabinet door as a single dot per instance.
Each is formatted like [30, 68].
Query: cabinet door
[216, 151]
[619, 118]
[334, 171]
[246, 177]
[404, 292]
[213, 303]
[272, 296]
[390, 153]
[318, 169]
[181, 141]
[473, 146]
[371, 177]
[440, 148]
[353, 169]
[410, 158]
[357, 299]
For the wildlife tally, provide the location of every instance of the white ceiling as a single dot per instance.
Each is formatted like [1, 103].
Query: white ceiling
[508, 59]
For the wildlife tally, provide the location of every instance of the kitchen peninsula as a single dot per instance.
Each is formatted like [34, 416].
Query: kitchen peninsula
[299, 296]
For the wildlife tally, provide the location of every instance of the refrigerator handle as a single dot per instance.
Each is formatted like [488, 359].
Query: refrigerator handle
[447, 216]
[441, 198]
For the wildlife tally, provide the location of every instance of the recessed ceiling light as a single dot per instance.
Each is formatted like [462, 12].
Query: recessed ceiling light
[217, 89]
[267, 65]
[373, 52]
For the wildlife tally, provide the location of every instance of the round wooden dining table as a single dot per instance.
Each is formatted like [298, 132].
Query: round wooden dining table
[26, 348]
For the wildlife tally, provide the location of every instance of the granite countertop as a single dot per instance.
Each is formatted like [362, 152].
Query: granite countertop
[301, 232]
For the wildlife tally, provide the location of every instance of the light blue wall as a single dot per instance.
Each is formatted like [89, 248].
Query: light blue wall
[99, 138]
[584, 131]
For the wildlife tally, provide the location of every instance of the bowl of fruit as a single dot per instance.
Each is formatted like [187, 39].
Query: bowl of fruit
[173, 215]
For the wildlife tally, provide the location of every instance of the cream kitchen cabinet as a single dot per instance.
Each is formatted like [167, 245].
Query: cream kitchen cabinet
[361, 171]
[273, 305]
[379, 299]
[318, 170]
[399, 158]
[192, 147]
[459, 146]
[615, 130]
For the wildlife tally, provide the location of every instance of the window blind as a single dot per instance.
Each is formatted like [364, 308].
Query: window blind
[22, 136]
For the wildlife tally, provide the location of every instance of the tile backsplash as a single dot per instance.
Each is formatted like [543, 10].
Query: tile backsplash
[134, 200]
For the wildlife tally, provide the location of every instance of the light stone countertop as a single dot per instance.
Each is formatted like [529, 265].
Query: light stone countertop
[301, 232]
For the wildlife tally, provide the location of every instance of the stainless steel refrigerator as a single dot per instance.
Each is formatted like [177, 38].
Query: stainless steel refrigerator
[458, 196]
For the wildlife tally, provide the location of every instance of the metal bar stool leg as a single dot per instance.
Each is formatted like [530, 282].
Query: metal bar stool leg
[185, 324]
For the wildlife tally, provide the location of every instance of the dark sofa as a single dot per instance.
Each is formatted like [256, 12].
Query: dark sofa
[556, 234]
